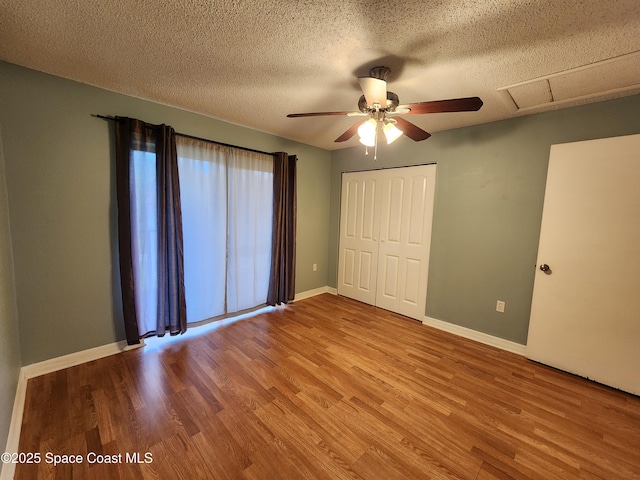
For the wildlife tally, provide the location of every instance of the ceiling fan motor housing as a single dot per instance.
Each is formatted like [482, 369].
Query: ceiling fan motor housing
[392, 103]
[380, 72]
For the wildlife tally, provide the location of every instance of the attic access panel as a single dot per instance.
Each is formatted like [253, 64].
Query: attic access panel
[615, 75]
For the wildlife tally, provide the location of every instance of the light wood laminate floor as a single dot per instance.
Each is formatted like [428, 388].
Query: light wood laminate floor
[328, 388]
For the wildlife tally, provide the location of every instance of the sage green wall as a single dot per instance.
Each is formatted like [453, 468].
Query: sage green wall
[9, 342]
[488, 207]
[59, 167]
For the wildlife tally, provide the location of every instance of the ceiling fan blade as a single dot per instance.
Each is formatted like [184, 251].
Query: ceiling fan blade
[319, 114]
[375, 90]
[410, 130]
[400, 110]
[349, 133]
[469, 104]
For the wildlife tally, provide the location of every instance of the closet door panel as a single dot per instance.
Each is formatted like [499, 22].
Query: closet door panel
[389, 274]
[406, 215]
[359, 226]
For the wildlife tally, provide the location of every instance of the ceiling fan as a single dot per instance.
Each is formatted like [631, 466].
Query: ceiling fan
[383, 109]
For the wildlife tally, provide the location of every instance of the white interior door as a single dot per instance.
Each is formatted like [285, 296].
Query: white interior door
[385, 237]
[585, 315]
[405, 237]
[359, 225]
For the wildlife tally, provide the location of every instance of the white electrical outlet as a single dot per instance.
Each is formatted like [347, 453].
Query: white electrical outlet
[315, 267]
[500, 306]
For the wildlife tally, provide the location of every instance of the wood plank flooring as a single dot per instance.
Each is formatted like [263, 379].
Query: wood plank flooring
[327, 388]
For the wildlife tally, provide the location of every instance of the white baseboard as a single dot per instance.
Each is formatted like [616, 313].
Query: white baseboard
[13, 438]
[77, 358]
[314, 292]
[485, 338]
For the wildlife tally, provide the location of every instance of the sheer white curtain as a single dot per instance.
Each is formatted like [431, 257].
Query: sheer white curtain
[227, 203]
[144, 229]
[203, 195]
[250, 219]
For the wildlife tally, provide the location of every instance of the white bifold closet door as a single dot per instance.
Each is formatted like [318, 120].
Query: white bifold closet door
[385, 237]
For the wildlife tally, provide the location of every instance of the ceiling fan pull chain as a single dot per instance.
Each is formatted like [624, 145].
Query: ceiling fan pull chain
[375, 149]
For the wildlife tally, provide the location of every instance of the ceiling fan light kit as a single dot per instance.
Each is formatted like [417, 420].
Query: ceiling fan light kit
[367, 132]
[391, 132]
[383, 107]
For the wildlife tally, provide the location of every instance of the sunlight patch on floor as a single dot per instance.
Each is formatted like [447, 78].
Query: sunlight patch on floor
[153, 343]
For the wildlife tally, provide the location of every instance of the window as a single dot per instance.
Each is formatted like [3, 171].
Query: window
[227, 216]
[226, 199]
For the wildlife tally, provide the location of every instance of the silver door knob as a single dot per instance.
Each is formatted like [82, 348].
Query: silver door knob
[545, 268]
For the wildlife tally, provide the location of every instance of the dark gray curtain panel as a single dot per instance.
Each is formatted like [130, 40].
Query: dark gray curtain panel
[156, 142]
[283, 253]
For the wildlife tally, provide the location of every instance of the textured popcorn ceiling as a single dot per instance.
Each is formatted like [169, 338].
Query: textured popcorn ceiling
[253, 62]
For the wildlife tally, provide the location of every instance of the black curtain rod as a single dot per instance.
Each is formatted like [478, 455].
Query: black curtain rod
[113, 119]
